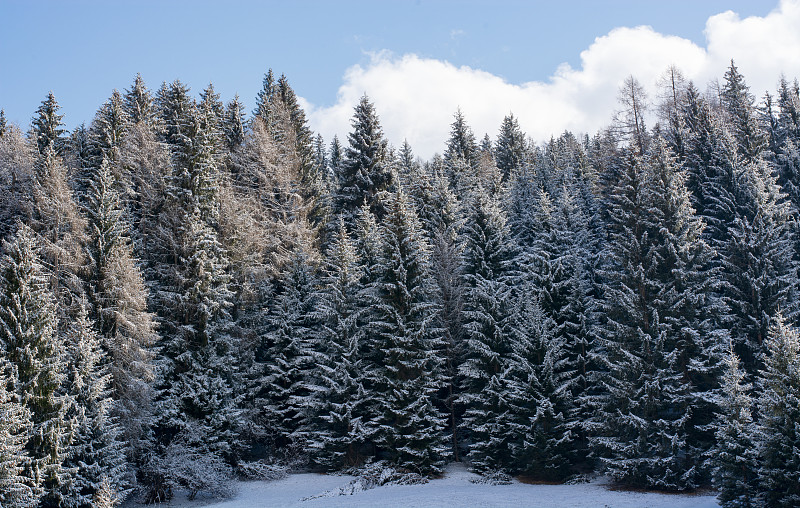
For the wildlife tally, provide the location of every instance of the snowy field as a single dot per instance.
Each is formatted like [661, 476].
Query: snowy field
[454, 490]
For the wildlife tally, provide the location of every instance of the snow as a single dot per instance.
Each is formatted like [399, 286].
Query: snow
[454, 490]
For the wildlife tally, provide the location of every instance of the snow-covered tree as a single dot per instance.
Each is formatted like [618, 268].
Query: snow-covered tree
[15, 427]
[488, 328]
[338, 428]
[284, 358]
[29, 342]
[47, 128]
[364, 172]
[658, 342]
[779, 417]
[734, 459]
[96, 453]
[405, 365]
[509, 149]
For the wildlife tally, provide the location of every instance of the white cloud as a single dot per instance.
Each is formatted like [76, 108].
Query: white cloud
[416, 97]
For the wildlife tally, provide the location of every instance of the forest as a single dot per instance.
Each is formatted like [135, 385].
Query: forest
[192, 294]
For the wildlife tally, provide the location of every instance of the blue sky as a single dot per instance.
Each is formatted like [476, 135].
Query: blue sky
[82, 50]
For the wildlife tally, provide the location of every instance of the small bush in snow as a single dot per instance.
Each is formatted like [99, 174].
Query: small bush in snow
[261, 470]
[493, 477]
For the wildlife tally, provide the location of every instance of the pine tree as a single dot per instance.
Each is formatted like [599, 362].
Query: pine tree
[779, 417]
[405, 365]
[364, 173]
[28, 339]
[734, 460]
[47, 127]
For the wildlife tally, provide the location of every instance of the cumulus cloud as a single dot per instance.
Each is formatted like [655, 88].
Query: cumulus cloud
[416, 97]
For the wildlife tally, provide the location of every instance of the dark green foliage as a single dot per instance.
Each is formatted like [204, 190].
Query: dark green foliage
[779, 417]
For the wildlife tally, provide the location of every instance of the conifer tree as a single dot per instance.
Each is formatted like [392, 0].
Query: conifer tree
[779, 417]
[738, 106]
[96, 453]
[119, 307]
[405, 365]
[734, 460]
[139, 103]
[339, 394]
[657, 334]
[233, 124]
[108, 129]
[488, 327]
[47, 126]
[509, 150]
[28, 339]
[3, 123]
[15, 427]
[284, 359]
[364, 172]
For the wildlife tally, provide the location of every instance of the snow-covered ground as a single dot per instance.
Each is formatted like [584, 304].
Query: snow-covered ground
[454, 490]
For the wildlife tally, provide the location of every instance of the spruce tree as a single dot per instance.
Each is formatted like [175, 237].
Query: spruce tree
[119, 307]
[47, 126]
[405, 365]
[15, 426]
[488, 328]
[284, 359]
[139, 103]
[338, 393]
[233, 124]
[96, 452]
[779, 417]
[659, 349]
[28, 338]
[364, 173]
[740, 112]
[734, 459]
[509, 150]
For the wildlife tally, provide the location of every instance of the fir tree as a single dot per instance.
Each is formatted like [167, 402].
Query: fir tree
[779, 417]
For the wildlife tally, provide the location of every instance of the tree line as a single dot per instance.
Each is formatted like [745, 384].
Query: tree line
[190, 294]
